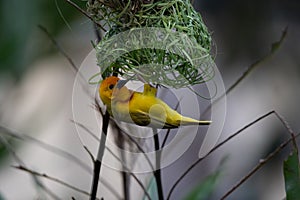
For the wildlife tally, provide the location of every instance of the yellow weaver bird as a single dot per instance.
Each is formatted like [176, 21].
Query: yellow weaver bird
[141, 108]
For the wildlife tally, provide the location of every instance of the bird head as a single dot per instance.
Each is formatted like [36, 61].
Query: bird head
[106, 89]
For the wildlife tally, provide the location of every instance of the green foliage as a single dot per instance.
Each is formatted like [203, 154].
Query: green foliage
[152, 189]
[20, 45]
[1, 197]
[292, 176]
[204, 189]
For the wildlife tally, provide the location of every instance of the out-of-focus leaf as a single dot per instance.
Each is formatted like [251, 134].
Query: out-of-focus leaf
[204, 189]
[1, 197]
[292, 176]
[152, 189]
[21, 41]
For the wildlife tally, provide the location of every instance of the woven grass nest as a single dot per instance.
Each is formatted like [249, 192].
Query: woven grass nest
[164, 42]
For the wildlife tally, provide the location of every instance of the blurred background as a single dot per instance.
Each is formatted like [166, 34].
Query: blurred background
[36, 84]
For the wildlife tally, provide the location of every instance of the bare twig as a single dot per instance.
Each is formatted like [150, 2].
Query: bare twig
[132, 174]
[86, 129]
[59, 48]
[261, 163]
[85, 13]
[98, 162]
[121, 131]
[275, 47]
[72, 63]
[214, 149]
[54, 150]
[165, 139]
[47, 147]
[20, 162]
[157, 172]
[89, 152]
[284, 123]
[134, 142]
[120, 140]
[35, 173]
[288, 128]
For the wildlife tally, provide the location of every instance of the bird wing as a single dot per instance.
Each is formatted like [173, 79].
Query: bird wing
[143, 119]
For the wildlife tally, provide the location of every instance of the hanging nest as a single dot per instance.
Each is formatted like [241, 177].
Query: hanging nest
[176, 54]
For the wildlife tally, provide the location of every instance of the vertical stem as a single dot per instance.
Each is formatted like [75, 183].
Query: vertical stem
[125, 185]
[157, 172]
[125, 178]
[98, 164]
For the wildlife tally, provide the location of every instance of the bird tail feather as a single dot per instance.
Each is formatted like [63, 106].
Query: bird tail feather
[185, 121]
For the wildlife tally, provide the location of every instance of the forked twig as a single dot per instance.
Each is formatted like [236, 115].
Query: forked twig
[228, 139]
[261, 163]
[214, 149]
[270, 156]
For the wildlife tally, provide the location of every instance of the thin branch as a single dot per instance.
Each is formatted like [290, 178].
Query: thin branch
[90, 154]
[126, 181]
[289, 129]
[214, 149]
[284, 123]
[97, 163]
[97, 31]
[20, 162]
[56, 151]
[123, 132]
[47, 147]
[261, 163]
[85, 13]
[165, 139]
[11, 150]
[72, 63]
[132, 174]
[275, 47]
[35, 173]
[134, 142]
[86, 129]
[157, 172]
[59, 48]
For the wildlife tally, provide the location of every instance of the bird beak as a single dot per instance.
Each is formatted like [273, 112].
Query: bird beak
[121, 83]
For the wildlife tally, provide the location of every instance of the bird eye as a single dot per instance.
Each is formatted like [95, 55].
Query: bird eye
[111, 86]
